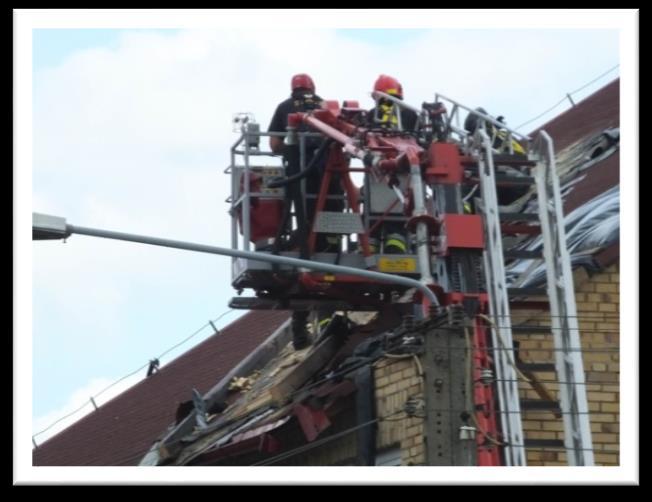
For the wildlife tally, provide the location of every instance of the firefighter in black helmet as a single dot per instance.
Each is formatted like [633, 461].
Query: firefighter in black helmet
[499, 135]
[500, 143]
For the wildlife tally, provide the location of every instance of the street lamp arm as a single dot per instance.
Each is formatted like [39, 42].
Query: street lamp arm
[52, 227]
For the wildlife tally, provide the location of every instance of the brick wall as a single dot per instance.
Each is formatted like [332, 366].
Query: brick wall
[597, 299]
[397, 380]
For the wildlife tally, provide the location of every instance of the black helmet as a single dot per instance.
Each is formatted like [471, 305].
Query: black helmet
[471, 122]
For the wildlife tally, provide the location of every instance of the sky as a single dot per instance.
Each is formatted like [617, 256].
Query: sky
[131, 131]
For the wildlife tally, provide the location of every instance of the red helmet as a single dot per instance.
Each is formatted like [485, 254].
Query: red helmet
[302, 81]
[389, 85]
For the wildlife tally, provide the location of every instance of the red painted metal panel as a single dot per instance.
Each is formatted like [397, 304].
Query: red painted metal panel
[488, 434]
[445, 166]
[464, 231]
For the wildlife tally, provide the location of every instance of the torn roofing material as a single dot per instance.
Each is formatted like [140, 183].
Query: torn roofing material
[590, 228]
[121, 431]
[587, 146]
[296, 396]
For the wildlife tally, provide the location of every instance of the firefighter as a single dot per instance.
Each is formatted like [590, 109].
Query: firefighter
[499, 137]
[303, 99]
[389, 116]
[386, 114]
[498, 134]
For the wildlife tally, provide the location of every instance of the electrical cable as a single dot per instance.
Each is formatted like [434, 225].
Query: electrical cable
[130, 374]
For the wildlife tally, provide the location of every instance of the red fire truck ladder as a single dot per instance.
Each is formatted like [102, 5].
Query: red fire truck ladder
[573, 405]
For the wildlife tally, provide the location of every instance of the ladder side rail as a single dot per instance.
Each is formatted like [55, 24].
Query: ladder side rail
[499, 304]
[563, 310]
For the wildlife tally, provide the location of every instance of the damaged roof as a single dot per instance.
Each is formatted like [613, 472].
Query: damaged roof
[121, 431]
[294, 397]
[587, 144]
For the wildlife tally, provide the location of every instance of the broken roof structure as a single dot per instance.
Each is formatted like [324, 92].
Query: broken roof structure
[278, 400]
[122, 430]
[587, 140]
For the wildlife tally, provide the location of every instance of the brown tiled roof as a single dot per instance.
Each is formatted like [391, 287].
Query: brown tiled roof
[589, 117]
[121, 431]
[600, 177]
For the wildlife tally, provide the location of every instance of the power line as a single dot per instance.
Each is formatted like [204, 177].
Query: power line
[550, 349]
[595, 79]
[195, 333]
[568, 96]
[133, 373]
[608, 382]
[305, 448]
[542, 114]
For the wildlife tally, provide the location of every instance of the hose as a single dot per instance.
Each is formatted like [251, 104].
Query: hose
[302, 174]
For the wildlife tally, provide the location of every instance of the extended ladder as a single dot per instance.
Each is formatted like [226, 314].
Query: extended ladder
[573, 404]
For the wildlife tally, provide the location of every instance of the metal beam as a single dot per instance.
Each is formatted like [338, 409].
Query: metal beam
[281, 260]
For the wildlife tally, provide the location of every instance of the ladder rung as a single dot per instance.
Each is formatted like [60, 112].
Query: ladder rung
[539, 405]
[542, 367]
[544, 443]
[531, 329]
[503, 180]
[522, 253]
[518, 216]
[519, 229]
[513, 292]
[513, 160]
[529, 305]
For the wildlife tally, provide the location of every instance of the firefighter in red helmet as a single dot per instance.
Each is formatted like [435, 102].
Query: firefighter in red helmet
[387, 115]
[304, 99]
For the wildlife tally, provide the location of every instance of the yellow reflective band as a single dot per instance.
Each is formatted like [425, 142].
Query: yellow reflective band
[396, 243]
[324, 321]
[467, 207]
[388, 115]
[389, 118]
[517, 147]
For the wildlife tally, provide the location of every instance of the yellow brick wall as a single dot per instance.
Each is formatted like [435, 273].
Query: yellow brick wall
[598, 309]
[397, 380]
